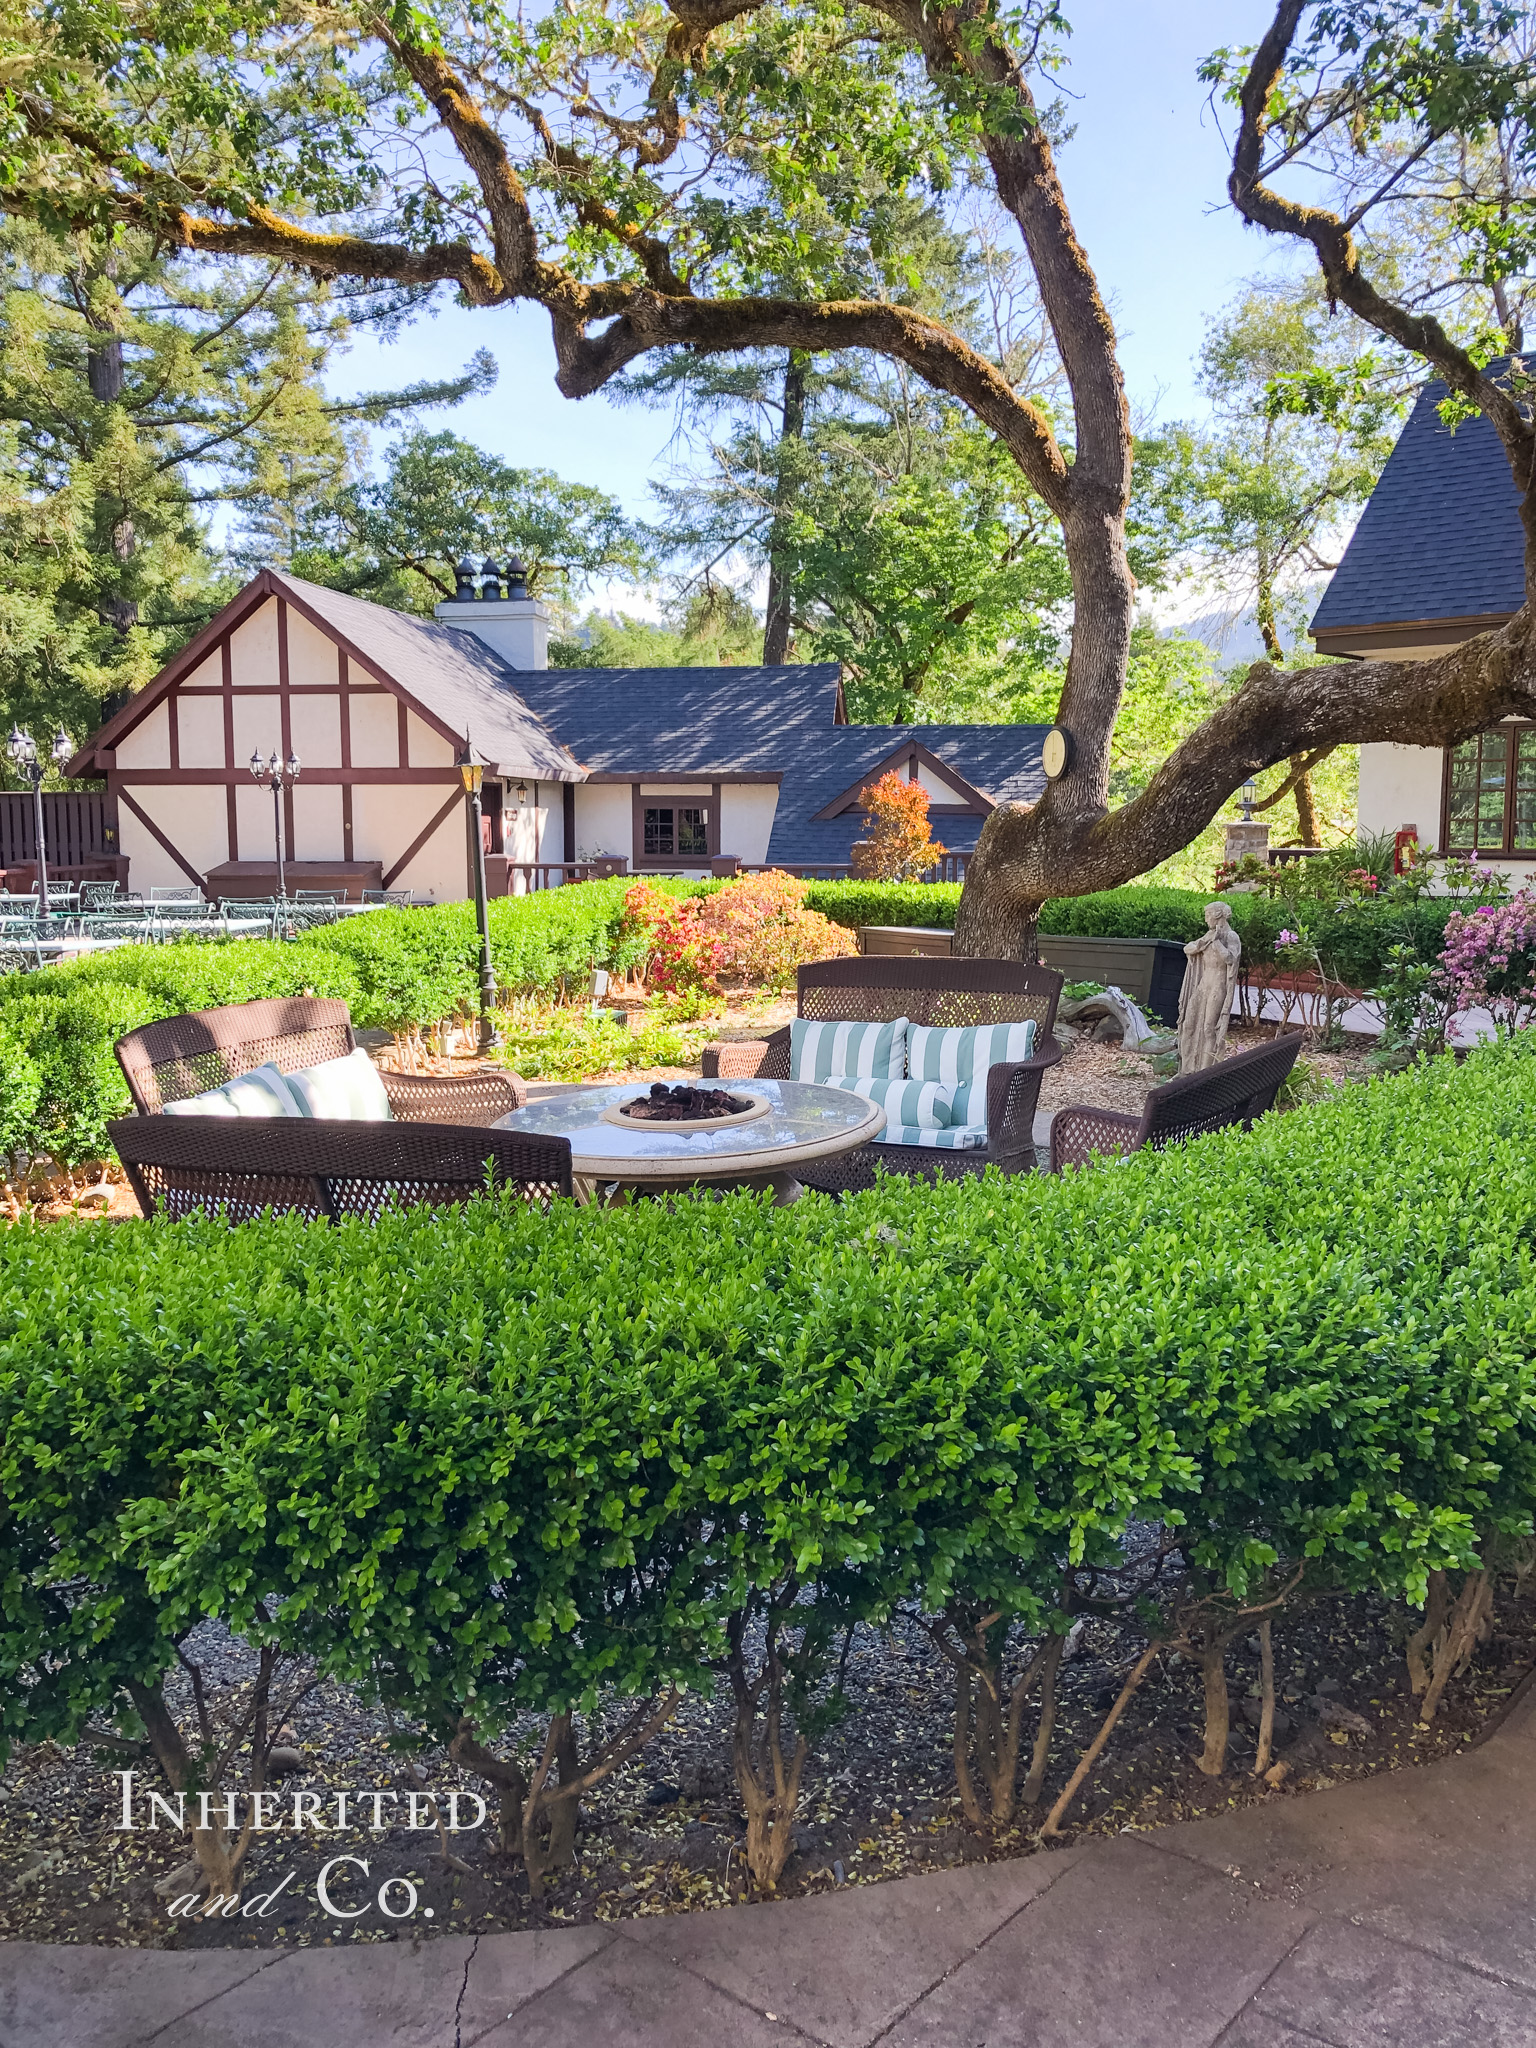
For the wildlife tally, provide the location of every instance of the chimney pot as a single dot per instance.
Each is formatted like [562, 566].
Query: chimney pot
[490, 587]
[466, 575]
[516, 577]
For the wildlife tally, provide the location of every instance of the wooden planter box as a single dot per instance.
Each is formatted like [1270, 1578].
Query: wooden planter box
[885, 939]
[1150, 971]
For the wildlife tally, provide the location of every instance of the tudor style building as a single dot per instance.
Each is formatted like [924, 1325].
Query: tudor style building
[1438, 556]
[660, 769]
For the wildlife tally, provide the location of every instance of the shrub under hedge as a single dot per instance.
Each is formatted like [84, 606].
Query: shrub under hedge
[496, 1459]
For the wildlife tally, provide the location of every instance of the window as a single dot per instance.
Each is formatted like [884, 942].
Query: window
[1490, 798]
[671, 833]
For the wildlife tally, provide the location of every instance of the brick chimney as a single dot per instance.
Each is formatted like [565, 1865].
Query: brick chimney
[492, 602]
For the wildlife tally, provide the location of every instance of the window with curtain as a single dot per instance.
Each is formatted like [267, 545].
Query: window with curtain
[1490, 804]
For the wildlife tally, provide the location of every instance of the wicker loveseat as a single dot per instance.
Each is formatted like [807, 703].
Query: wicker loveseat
[929, 990]
[179, 1056]
[439, 1149]
[1234, 1091]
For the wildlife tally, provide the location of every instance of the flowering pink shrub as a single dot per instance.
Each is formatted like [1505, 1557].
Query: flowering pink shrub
[755, 929]
[1489, 961]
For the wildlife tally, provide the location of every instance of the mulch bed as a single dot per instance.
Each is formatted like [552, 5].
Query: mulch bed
[665, 1834]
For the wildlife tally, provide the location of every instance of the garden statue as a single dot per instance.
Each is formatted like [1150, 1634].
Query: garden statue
[1205, 1001]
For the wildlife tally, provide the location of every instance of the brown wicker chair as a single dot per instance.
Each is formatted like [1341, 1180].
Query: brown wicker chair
[1234, 1091]
[929, 990]
[180, 1056]
[242, 1166]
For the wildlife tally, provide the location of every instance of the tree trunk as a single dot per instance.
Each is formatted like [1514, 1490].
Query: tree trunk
[218, 1862]
[776, 624]
[104, 368]
[1307, 826]
[1267, 1698]
[1213, 1656]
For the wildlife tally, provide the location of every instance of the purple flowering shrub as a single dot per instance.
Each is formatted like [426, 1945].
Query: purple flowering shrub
[1489, 961]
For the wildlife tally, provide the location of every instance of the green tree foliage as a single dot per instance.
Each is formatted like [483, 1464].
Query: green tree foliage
[141, 393]
[395, 537]
[712, 624]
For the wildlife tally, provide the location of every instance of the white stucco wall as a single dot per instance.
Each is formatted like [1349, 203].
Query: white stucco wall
[746, 820]
[939, 791]
[314, 725]
[604, 820]
[253, 649]
[149, 743]
[258, 723]
[375, 721]
[1401, 786]
[199, 731]
[386, 818]
[193, 819]
[317, 822]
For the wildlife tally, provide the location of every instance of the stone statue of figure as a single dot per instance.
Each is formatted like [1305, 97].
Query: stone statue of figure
[1205, 1001]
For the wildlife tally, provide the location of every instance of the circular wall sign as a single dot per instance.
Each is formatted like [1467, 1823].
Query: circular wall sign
[1056, 752]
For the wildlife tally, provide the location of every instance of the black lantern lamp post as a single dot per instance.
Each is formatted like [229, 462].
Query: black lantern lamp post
[278, 776]
[1250, 791]
[23, 752]
[471, 774]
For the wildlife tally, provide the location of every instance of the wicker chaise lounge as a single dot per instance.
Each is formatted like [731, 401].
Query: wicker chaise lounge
[1234, 1091]
[929, 990]
[439, 1149]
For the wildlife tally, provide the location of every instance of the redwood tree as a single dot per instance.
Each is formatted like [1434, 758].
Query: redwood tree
[644, 172]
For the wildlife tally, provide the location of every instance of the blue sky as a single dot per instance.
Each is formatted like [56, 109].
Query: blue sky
[1145, 178]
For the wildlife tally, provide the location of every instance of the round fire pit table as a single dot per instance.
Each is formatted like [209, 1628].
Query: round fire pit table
[802, 1122]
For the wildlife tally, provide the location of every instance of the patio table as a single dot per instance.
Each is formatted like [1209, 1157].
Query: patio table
[801, 1122]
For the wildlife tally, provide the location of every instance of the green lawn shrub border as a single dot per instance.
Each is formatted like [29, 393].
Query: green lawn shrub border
[493, 1462]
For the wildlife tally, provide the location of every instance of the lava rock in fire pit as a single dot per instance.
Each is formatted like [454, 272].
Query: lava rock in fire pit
[682, 1104]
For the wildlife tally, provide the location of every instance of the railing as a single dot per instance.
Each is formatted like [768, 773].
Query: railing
[76, 823]
[525, 876]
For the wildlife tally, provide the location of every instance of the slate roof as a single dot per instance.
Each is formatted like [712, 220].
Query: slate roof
[659, 722]
[454, 674]
[1440, 536]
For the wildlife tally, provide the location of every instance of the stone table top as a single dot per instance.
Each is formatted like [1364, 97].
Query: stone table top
[804, 1122]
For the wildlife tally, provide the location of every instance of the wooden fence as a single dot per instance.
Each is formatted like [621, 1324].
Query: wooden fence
[76, 823]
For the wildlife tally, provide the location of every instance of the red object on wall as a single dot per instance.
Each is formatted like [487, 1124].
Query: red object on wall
[1402, 860]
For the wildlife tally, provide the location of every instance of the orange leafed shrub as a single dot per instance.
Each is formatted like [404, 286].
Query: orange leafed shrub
[764, 931]
[900, 844]
[755, 929]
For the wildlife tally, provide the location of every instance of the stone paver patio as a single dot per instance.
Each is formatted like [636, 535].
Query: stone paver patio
[1395, 1912]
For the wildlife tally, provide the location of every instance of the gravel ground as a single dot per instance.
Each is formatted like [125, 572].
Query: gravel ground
[664, 1834]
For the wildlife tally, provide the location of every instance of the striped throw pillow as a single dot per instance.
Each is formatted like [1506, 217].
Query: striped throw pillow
[960, 1059]
[348, 1090]
[961, 1138]
[921, 1103]
[261, 1092]
[824, 1052]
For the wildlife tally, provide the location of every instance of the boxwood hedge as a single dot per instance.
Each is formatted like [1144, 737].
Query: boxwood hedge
[495, 1461]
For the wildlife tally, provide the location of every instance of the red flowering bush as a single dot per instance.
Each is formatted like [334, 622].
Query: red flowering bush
[754, 929]
[900, 845]
[763, 931]
[1489, 961]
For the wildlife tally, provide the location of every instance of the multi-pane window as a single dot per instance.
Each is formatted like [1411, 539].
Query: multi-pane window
[1491, 792]
[672, 832]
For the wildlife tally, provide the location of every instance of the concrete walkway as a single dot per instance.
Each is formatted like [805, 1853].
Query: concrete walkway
[1392, 1913]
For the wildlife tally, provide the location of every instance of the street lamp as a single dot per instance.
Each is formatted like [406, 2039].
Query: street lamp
[1250, 791]
[278, 776]
[23, 752]
[471, 774]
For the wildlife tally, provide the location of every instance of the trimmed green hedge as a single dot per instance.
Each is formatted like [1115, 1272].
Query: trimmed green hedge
[396, 971]
[856, 903]
[492, 1460]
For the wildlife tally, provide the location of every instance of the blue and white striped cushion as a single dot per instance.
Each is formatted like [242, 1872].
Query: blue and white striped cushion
[923, 1104]
[960, 1058]
[823, 1052]
[261, 1092]
[962, 1138]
